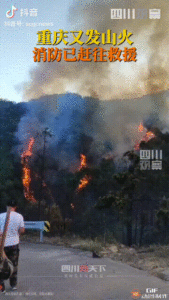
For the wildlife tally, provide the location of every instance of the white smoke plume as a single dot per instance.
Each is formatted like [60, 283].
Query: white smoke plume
[137, 91]
[110, 80]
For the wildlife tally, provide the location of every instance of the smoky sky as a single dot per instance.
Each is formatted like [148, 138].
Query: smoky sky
[95, 108]
[86, 125]
[110, 80]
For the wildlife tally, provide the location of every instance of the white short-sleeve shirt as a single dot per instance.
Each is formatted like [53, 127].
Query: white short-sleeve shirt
[15, 222]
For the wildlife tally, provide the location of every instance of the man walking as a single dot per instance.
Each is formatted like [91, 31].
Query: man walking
[11, 248]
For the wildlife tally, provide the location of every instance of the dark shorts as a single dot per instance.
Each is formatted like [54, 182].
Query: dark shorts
[12, 252]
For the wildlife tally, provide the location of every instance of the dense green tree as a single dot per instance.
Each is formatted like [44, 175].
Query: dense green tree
[10, 167]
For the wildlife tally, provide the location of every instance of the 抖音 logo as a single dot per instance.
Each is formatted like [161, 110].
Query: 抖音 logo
[11, 13]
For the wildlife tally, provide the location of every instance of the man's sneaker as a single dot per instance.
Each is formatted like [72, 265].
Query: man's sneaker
[2, 288]
[13, 288]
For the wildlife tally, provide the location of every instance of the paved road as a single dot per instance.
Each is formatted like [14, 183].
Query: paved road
[48, 272]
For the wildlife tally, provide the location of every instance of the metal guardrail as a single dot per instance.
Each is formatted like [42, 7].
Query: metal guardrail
[36, 225]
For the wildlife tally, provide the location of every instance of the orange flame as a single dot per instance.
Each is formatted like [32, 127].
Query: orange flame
[26, 178]
[85, 180]
[141, 127]
[28, 152]
[148, 136]
[83, 163]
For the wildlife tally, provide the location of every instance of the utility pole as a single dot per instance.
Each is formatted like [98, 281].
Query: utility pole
[46, 132]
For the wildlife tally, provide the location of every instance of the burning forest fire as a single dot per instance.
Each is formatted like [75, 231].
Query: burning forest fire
[83, 163]
[85, 180]
[26, 178]
[148, 135]
[141, 127]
